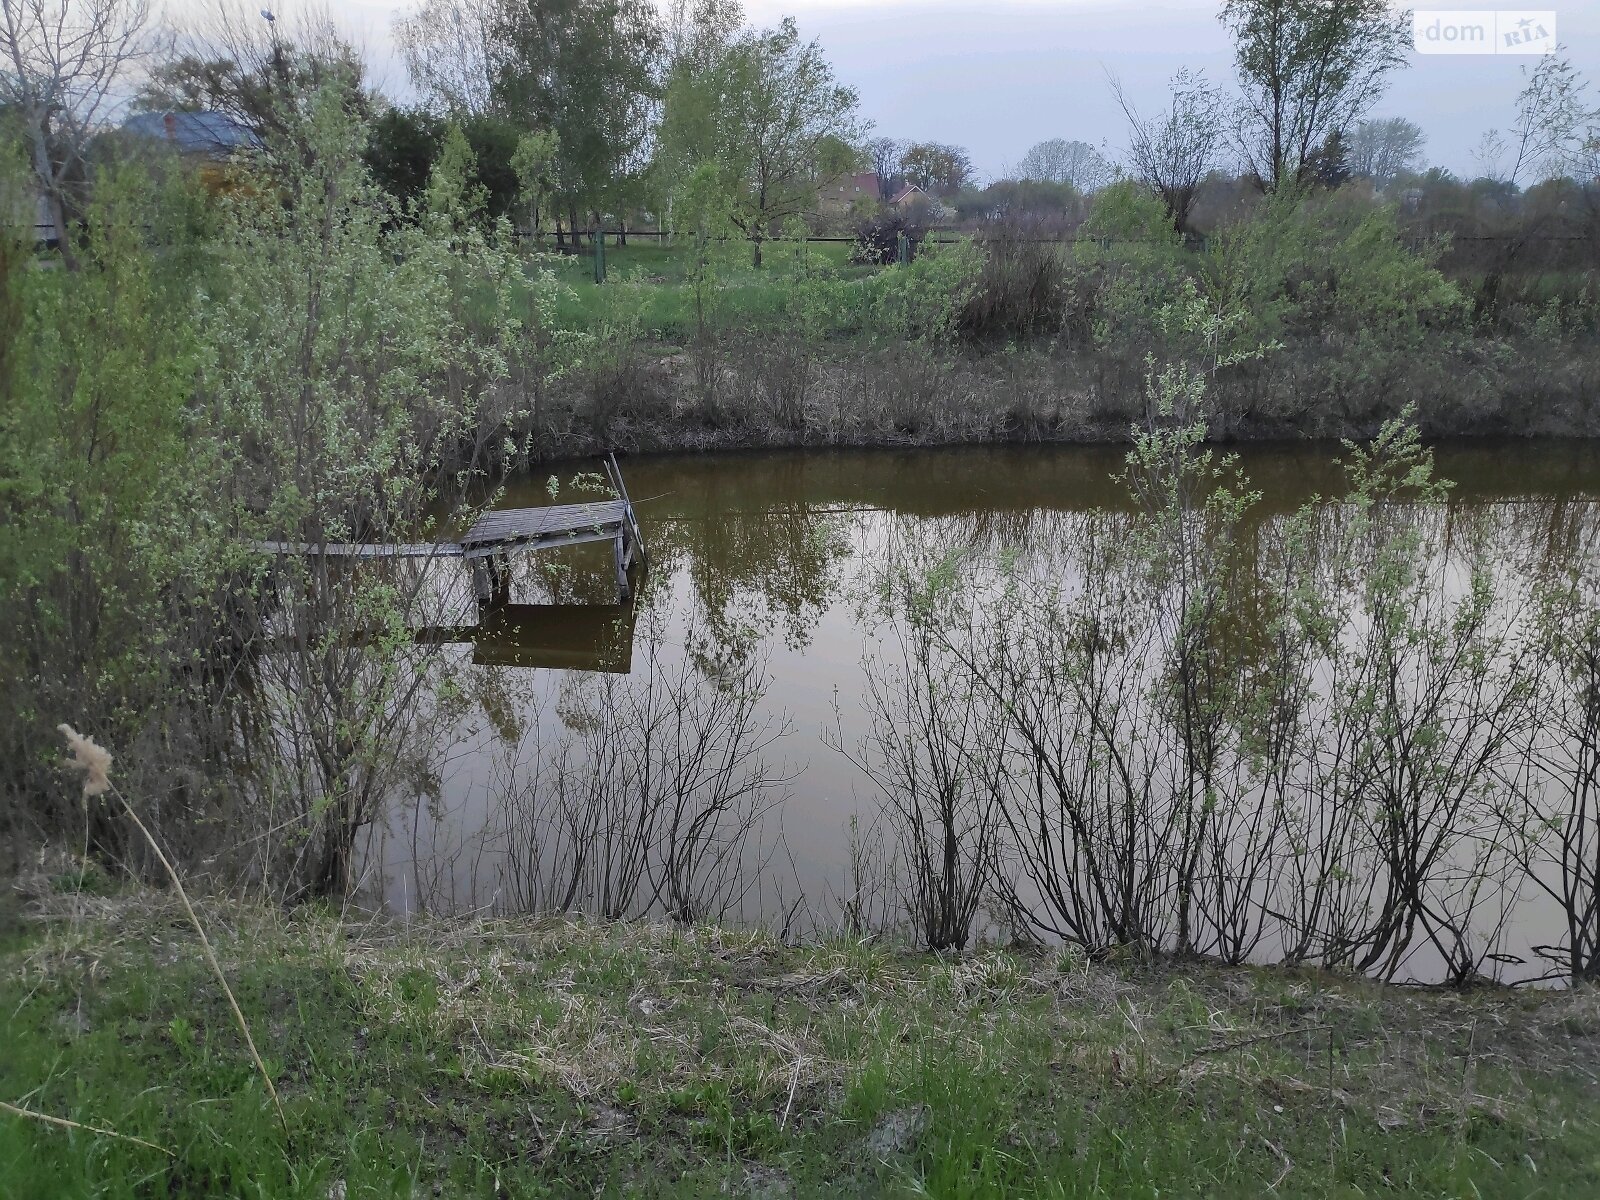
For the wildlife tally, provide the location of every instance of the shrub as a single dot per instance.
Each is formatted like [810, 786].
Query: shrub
[107, 562]
[922, 301]
[1022, 288]
[878, 235]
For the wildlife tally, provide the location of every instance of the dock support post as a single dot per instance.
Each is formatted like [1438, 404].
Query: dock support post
[502, 580]
[619, 552]
[491, 580]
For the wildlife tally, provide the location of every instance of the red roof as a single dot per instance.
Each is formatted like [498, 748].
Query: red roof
[865, 183]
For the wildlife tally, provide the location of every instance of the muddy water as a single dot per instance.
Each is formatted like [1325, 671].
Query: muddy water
[773, 554]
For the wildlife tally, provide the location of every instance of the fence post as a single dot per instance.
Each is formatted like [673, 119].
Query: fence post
[599, 254]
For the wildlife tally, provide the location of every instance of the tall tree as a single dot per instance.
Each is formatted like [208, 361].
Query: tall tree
[257, 72]
[883, 158]
[1330, 165]
[1553, 123]
[66, 63]
[1385, 148]
[937, 168]
[590, 71]
[402, 144]
[1071, 162]
[452, 54]
[699, 31]
[1171, 152]
[770, 118]
[534, 163]
[1305, 69]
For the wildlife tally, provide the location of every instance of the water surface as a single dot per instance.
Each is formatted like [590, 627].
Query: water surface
[769, 557]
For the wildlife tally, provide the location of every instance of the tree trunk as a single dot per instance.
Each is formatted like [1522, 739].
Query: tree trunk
[47, 184]
[756, 257]
[58, 218]
[622, 230]
[572, 219]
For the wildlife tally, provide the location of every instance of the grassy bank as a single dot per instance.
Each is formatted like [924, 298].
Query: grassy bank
[528, 1058]
[1326, 326]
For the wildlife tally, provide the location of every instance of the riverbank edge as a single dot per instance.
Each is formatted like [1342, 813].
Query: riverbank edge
[562, 1057]
[653, 399]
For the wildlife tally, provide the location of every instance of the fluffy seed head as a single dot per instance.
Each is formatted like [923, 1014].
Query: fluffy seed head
[89, 757]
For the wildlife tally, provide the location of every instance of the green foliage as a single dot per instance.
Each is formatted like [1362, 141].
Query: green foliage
[105, 550]
[765, 113]
[1127, 211]
[705, 206]
[453, 191]
[1305, 265]
[1307, 71]
[1129, 261]
[404, 146]
[586, 70]
[935, 167]
[401, 146]
[534, 164]
[920, 301]
[345, 352]
[319, 369]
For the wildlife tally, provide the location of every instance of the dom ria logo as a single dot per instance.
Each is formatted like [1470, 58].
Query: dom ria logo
[1483, 31]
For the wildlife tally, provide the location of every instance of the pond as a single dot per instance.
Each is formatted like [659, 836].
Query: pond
[757, 653]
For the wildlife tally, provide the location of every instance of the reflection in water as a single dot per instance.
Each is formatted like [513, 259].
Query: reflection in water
[775, 559]
[565, 637]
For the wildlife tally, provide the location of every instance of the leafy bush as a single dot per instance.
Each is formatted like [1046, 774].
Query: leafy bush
[1308, 265]
[107, 563]
[922, 301]
[1127, 263]
[879, 234]
[1022, 288]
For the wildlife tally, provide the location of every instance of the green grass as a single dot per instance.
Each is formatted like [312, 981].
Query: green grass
[651, 282]
[531, 1059]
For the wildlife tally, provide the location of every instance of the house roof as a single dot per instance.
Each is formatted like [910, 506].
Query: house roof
[194, 132]
[906, 193]
[850, 185]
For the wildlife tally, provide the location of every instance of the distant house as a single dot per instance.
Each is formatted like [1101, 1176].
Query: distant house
[909, 194]
[912, 197]
[210, 135]
[838, 196]
[209, 142]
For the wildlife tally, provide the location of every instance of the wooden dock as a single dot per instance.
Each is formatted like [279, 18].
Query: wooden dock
[497, 534]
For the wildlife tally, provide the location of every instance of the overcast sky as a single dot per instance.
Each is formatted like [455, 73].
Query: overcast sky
[1000, 75]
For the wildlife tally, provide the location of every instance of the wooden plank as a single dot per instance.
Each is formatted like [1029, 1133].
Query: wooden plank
[631, 519]
[519, 524]
[543, 541]
[363, 549]
[499, 532]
